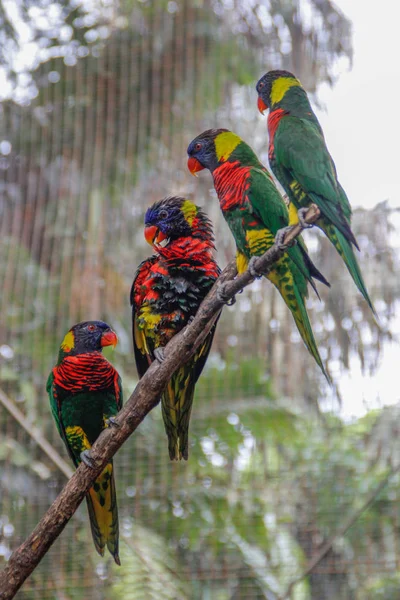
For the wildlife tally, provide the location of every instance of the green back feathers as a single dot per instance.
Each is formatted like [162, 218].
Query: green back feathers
[270, 207]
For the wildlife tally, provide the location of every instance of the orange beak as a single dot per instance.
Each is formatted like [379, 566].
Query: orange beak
[194, 165]
[261, 105]
[150, 232]
[153, 235]
[109, 338]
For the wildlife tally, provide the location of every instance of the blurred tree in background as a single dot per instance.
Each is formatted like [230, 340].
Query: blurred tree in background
[95, 131]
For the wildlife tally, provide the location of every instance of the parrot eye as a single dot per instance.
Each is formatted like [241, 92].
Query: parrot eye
[91, 327]
[163, 214]
[261, 85]
[198, 146]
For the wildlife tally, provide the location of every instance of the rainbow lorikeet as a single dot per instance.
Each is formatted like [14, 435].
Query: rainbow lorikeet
[166, 293]
[255, 212]
[300, 160]
[85, 393]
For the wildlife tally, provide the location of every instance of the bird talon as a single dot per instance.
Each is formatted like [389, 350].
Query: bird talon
[86, 458]
[111, 422]
[280, 236]
[223, 296]
[159, 354]
[301, 214]
[252, 270]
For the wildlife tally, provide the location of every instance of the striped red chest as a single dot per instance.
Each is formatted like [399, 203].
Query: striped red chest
[274, 119]
[231, 182]
[187, 259]
[147, 278]
[88, 372]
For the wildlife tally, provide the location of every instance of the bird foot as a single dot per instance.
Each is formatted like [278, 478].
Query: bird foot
[222, 295]
[190, 320]
[280, 236]
[86, 457]
[252, 269]
[159, 354]
[301, 213]
[111, 422]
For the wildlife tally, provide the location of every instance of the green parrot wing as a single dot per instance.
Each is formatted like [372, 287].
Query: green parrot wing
[56, 411]
[119, 394]
[54, 404]
[142, 345]
[266, 201]
[268, 205]
[301, 150]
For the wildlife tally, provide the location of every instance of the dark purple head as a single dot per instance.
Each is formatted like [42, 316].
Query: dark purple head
[174, 217]
[88, 336]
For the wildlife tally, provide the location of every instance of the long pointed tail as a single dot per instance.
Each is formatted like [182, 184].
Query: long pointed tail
[176, 405]
[103, 513]
[345, 250]
[283, 279]
[304, 326]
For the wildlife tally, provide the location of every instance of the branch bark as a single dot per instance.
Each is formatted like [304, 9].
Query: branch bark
[144, 398]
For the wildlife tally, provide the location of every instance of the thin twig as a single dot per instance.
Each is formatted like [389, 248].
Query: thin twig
[144, 398]
[35, 434]
[349, 522]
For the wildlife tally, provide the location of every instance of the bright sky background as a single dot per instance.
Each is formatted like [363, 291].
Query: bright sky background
[361, 122]
[362, 117]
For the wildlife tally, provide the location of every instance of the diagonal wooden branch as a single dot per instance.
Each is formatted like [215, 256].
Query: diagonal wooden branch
[144, 398]
[35, 434]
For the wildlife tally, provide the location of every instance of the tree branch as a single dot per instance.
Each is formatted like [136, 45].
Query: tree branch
[144, 398]
[349, 522]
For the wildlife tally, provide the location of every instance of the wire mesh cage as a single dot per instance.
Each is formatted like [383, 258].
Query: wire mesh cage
[95, 133]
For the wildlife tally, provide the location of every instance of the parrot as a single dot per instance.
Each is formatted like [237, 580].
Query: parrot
[166, 292]
[255, 212]
[300, 160]
[85, 393]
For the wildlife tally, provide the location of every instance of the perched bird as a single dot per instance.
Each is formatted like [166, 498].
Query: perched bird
[255, 212]
[300, 160]
[166, 292]
[85, 393]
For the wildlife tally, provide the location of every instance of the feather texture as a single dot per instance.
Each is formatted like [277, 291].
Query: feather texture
[255, 211]
[166, 292]
[85, 391]
[300, 160]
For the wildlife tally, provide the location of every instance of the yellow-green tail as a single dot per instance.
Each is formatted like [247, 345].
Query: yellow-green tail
[304, 326]
[176, 405]
[282, 277]
[345, 250]
[103, 513]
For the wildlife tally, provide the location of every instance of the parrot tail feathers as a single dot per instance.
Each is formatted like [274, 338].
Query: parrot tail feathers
[312, 269]
[103, 513]
[304, 326]
[292, 286]
[346, 252]
[336, 218]
[176, 405]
